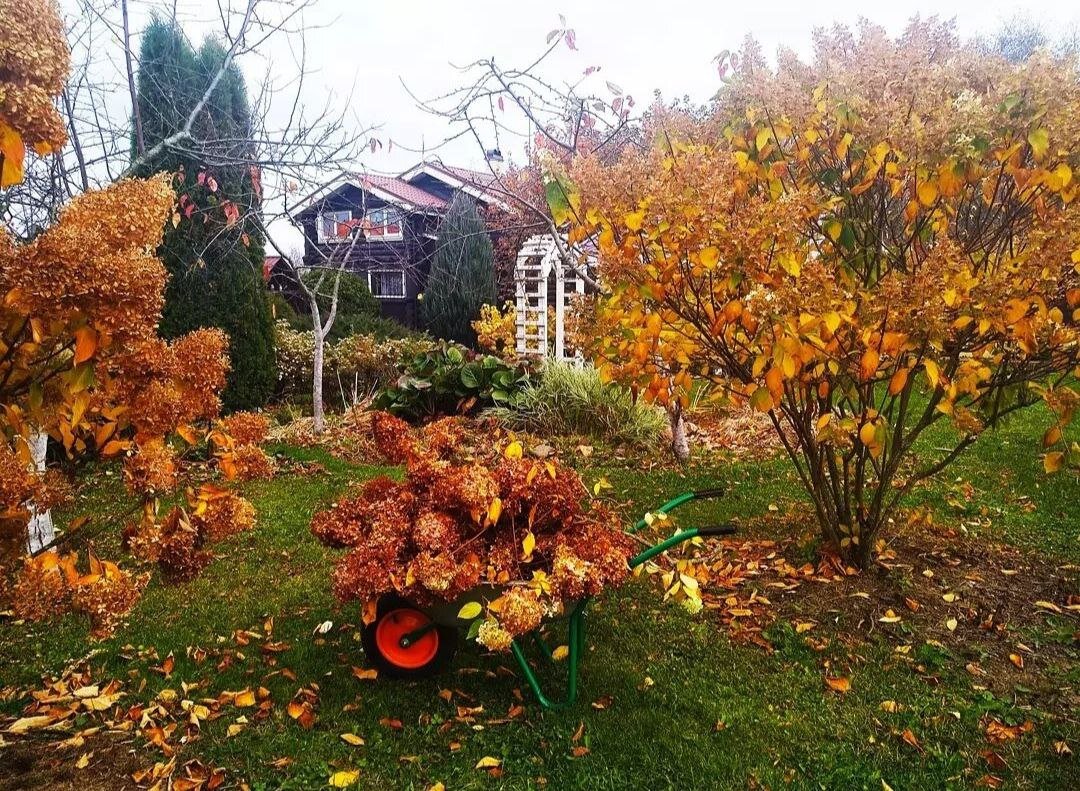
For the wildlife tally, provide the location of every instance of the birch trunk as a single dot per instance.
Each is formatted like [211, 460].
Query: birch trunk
[40, 531]
[680, 443]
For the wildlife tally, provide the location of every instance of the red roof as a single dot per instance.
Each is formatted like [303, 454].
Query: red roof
[403, 190]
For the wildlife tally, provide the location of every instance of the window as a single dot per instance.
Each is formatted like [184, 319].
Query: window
[335, 226]
[387, 283]
[383, 223]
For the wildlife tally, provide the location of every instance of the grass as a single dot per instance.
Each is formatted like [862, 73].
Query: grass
[569, 400]
[683, 706]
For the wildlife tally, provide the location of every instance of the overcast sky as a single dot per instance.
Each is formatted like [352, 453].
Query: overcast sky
[367, 49]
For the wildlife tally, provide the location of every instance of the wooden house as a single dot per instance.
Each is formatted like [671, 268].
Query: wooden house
[385, 227]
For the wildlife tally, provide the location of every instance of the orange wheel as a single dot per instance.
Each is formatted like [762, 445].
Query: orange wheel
[395, 625]
[429, 651]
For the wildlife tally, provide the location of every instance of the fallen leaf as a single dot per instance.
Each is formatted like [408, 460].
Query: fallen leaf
[353, 739]
[889, 617]
[365, 674]
[910, 738]
[560, 653]
[487, 762]
[344, 778]
[951, 624]
[1017, 660]
[244, 699]
[841, 684]
[84, 761]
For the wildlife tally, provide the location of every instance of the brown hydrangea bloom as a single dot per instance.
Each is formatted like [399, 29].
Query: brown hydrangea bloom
[108, 599]
[454, 524]
[393, 438]
[41, 590]
[521, 610]
[152, 469]
[36, 63]
[226, 514]
[433, 530]
[246, 428]
[493, 636]
[251, 463]
[180, 554]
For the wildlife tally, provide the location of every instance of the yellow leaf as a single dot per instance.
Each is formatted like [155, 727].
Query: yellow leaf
[560, 653]
[762, 138]
[84, 761]
[1052, 462]
[244, 699]
[710, 257]
[494, 510]
[487, 762]
[933, 373]
[634, 220]
[344, 778]
[528, 544]
[1039, 141]
[833, 228]
[513, 450]
[1052, 436]
[928, 193]
[951, 624]
[24, 724]
[353, 739]
[868, 434]
[470, 610]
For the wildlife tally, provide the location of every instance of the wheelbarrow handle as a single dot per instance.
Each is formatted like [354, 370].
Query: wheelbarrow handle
[675, 502]
[728, 529]
[678, 538]
[702, 494]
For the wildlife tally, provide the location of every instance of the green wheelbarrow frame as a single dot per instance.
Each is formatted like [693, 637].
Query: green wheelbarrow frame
[576, 620]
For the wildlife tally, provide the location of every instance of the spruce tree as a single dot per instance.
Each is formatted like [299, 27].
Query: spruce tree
[462, 275]
[212, 249]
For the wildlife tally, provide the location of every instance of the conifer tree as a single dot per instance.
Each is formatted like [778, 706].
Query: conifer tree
[462, 275]
[212, 249]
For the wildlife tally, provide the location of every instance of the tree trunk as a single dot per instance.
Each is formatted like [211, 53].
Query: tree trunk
[40, 531]
[317, 384]
[680, 444]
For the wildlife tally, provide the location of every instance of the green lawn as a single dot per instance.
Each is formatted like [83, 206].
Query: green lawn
[681, 705]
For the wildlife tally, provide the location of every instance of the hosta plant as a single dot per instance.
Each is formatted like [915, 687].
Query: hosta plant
[451, 380]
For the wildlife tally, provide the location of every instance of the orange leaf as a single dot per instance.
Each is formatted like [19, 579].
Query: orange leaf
[86, 343]
[841, 684]
[13, 151]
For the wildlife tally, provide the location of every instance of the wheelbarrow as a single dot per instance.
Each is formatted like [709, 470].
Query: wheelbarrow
[406, 640]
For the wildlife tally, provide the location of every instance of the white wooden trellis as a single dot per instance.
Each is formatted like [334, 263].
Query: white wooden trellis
[538, 263]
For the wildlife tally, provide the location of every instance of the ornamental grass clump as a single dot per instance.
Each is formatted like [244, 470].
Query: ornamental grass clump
[526, 526]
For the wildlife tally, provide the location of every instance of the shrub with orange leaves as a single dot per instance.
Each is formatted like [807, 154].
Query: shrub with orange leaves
[861, 246]
[526, 526]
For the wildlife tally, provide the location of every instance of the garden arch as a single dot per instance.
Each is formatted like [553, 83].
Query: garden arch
[544, 285]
